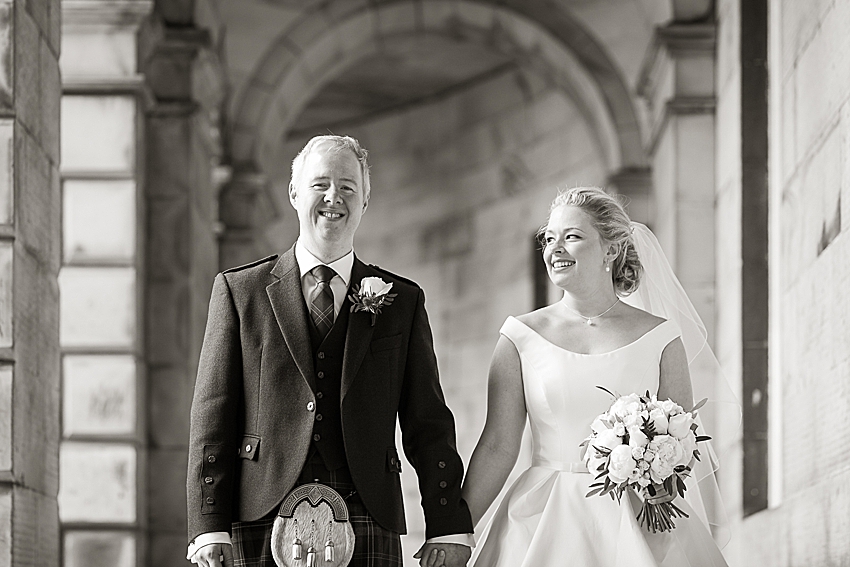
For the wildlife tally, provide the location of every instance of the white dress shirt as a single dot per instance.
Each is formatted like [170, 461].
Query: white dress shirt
[339, 286]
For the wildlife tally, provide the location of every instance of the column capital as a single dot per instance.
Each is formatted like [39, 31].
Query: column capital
[678, 74]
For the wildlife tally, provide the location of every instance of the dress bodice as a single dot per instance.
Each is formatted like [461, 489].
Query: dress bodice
[560, 386]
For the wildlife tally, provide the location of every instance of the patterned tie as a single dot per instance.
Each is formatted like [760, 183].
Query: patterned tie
[322, 299]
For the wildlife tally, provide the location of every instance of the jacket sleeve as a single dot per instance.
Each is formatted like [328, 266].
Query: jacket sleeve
[428, 434]
[213, 441]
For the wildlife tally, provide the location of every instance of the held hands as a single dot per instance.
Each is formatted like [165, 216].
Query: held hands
[214, 555]
[443, 555]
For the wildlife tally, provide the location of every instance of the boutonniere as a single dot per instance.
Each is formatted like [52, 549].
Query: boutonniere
[372, 294]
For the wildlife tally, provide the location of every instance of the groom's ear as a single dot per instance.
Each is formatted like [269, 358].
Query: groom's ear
[292, 193]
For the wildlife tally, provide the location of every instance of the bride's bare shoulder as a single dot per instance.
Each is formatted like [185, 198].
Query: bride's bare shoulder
[539, 318]
[640, 319]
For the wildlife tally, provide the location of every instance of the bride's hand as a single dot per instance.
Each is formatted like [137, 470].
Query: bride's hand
[430, 558]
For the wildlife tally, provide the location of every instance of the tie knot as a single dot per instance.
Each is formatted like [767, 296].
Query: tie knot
[323, 273]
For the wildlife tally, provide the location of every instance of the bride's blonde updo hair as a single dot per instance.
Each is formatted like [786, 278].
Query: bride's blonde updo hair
[614, 226]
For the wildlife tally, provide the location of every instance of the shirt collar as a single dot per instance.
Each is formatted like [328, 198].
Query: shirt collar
[306, 262]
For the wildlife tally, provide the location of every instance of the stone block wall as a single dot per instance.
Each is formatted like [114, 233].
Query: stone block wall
[29, 298]
[807, 523]
[459, 188]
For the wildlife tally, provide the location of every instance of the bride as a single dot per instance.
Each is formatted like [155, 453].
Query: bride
[547, 366]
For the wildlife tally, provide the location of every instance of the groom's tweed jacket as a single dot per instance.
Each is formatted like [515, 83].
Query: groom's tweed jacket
[253, 411]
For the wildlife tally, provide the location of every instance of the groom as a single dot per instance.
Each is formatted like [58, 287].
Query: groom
[293, 387]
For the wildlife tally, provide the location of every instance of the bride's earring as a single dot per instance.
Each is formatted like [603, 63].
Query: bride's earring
[607, 265]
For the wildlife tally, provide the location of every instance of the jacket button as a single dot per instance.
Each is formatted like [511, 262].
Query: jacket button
[442, 464]
[321, 356]
[443, 484]
[318, 417]
[210, 500]
[310, 406]
[208, 480]
[320, 374]
[211, 459]
[320, 395]
[317, 437]
[248, 448]
[443, 501]
[392, 460]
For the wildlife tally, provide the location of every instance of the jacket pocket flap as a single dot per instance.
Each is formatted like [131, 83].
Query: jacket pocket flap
[249, 447]
[386, 343]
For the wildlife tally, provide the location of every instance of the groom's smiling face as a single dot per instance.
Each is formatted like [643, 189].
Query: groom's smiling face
[329, 198]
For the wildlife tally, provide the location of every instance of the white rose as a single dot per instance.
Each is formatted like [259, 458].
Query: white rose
[670, 407]
[689, 445]
[619, 429]
[637, 438]
[679, 426]
[626, 405]
[637, 453]
[621, 464]
[632, 420]
[659, 419]
[374, 286]
[668, 454]
[607, 438]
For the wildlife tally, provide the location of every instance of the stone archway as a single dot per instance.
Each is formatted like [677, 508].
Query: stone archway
[310, 53]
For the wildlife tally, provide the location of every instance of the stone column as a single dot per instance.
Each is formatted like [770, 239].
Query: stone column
[635, 184]
[30, 90]
[245, 206]
[183, 150]
[678, 84]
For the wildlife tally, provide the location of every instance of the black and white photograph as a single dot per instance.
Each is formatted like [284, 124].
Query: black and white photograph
[424, 283]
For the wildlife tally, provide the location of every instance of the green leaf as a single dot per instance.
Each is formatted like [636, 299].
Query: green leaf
[593, 493]
[699, 404]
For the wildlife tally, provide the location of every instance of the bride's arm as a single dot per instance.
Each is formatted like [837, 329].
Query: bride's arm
[674, 383]
[498, 447]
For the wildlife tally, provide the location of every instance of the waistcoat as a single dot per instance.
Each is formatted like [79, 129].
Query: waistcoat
[327, 364]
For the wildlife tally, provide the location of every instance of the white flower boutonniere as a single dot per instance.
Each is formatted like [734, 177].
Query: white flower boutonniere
[372, 294]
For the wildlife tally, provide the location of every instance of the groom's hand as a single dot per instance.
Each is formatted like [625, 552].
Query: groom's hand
[214, 555]
[443, 554]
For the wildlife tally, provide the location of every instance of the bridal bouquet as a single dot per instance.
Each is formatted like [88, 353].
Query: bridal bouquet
[647, 445]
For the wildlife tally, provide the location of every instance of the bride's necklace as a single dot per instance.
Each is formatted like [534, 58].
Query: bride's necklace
[589, 320]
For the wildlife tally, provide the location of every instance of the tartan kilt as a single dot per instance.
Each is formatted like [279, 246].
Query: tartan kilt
[374, 546]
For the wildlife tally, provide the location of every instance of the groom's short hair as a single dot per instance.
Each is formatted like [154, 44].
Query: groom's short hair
[336, 144]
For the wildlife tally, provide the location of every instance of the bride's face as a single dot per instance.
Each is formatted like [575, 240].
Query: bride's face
[574, 251]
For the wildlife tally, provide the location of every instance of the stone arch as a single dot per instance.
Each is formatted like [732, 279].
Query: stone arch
[310, 53]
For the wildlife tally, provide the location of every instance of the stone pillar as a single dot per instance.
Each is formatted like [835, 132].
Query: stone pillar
[635, 184]
[245, 206]
[183, 146]
[30, 90]
[677, 82]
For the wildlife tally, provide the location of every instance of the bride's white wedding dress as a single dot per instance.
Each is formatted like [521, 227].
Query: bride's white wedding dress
[545, 520]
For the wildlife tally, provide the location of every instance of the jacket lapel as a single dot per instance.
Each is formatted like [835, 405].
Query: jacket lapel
[358, 335]
[287, 301]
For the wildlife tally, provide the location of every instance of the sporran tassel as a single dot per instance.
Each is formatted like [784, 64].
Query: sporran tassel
[329, 551]
[296, 549]
[311, 556]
